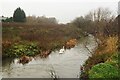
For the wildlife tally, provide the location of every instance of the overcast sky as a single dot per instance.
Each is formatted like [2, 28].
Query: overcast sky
[63, 10]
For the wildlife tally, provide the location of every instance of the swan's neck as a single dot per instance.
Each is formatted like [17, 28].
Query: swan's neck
[63, 47]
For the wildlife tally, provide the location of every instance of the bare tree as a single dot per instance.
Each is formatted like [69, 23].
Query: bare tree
[41, 19]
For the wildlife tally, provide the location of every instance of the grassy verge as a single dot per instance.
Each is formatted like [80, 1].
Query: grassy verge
[104, 62]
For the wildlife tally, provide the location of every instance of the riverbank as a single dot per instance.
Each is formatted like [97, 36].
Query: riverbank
[104, 61]
[68, 63]
[26, 39]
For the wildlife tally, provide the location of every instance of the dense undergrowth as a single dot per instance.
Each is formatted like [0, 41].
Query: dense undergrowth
[104, 61]
[31, 39]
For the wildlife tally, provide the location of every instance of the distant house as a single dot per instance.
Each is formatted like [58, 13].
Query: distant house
[2, 18]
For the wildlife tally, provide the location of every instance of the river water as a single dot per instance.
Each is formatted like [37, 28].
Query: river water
[66, 65]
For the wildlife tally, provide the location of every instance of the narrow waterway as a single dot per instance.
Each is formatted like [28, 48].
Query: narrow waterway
[66, 65]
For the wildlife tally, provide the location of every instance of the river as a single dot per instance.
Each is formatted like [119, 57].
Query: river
[66, 65]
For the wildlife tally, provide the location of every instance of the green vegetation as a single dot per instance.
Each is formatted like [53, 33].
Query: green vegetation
[104, 62]
[109, 69]
[113, 60]
[8, 19]
[41, 35]
[19, 49]
[19, 15]
[103, 70]
[47, 37]
[104, 27]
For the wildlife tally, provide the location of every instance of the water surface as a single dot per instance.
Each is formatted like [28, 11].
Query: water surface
[65, 65]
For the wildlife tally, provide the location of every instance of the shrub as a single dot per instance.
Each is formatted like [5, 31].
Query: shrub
[111, 44]
[47, 36]
[103, 70]
[19, 15]
[5, 48]
[17, 50]
[71, 43]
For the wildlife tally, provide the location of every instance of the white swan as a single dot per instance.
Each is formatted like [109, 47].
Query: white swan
[62, 50]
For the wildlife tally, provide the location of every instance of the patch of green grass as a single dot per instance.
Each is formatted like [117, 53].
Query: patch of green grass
[103, 70]
[109, 69]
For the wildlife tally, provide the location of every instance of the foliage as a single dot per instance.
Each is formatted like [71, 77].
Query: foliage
[103, 70]
[17, 50]
[71, 43]
[5, 47]
[106, 51]
[19, 15]
[109, 69]
[99, 21]
[8, 19]
[113, 60]
[46, 36]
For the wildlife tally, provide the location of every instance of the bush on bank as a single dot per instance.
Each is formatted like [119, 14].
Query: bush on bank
[17, 50]
[109, 69]
[106, 53]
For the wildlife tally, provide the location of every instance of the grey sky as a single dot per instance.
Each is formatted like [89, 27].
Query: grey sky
[63, 10]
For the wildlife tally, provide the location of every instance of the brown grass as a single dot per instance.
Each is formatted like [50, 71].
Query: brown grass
[104, 51]
[108, 45]
[48, 36]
